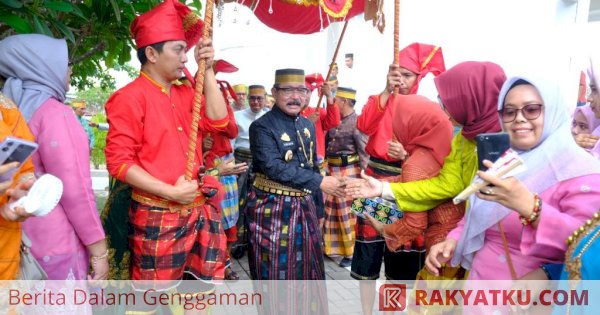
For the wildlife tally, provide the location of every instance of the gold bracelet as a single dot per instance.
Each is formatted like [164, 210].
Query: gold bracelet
[537, 207]
[94, 259]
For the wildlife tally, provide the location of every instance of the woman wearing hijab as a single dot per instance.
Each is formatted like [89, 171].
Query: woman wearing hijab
[518, 223]
[583, 124]
[468, 93]
[425, 132]
[12, 124]
[70, 238]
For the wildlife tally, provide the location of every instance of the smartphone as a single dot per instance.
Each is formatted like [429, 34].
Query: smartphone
[15, 150]
[490, 146]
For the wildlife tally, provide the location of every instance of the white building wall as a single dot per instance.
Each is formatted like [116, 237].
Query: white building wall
[512, 33]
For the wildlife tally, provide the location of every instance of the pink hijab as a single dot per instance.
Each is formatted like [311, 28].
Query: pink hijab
[589, 115]
[469, 91]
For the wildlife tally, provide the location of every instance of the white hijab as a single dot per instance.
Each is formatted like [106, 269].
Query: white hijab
[556, 158]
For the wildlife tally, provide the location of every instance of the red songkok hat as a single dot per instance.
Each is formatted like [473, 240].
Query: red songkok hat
[170, 20]
[422, 59]
[314, 81]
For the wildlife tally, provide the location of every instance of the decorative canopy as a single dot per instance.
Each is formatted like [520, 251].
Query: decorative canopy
[304, 16]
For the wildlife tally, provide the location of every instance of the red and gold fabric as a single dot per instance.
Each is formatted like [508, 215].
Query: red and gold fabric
[147, 120]
[308, 16]
[170, 20]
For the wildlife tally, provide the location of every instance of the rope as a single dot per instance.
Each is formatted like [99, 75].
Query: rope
[397, 39]
[199, 94]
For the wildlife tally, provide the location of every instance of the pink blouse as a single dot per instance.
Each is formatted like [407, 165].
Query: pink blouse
[59, 239]
[566, 206]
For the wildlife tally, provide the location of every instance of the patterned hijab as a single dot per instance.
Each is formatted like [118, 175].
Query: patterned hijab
[419, 122]
[469, 91]
[554, 159]
[35, 67]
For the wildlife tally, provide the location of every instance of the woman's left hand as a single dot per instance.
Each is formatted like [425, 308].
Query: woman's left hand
[378, 226]
[509, 192]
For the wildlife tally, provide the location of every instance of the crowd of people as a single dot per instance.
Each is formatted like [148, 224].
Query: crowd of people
[278, 181]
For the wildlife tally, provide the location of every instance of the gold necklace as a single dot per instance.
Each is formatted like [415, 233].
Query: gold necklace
[573, 266]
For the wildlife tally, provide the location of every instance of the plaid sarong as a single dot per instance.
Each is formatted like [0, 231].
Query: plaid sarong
[284, 238]
[165, 245]
[338, 229]
[229, 205]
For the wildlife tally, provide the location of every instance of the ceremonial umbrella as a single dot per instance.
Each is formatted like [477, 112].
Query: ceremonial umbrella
[310, 16]
[304, 16]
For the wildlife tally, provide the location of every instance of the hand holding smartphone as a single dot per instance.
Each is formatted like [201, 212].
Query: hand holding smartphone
[490, 146]
[15, 150]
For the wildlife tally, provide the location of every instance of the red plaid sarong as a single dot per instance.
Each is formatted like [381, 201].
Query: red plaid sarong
[165, 244]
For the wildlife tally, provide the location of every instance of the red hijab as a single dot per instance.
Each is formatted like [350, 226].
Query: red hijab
[469, 91]
[419, 122]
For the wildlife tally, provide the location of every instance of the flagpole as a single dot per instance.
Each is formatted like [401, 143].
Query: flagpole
[337, 49]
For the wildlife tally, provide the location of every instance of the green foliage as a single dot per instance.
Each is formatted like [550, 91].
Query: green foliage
[98, 158]
[97, 31]
[95, 99]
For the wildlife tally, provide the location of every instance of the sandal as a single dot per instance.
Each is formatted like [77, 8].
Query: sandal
[231, 275]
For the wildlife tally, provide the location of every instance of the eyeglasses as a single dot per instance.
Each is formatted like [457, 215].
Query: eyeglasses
[288, 91]
[256, 98]
[530, 112]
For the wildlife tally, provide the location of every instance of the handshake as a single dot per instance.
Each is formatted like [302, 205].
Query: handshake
[363, 187]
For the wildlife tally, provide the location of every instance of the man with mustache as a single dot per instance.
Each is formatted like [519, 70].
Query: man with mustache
[284, 158]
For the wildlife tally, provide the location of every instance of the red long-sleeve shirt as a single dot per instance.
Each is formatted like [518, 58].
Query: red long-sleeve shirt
[222, 139]
[376, 122]
[150, 128]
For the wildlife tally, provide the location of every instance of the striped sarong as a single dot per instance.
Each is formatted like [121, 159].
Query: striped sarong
[284, 238]
[338, 229]
[229, 206]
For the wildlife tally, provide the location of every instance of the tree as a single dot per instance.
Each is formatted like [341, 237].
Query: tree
[97, 31]
[95, 99]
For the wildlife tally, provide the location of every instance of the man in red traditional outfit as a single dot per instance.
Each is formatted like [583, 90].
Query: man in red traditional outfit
[385, 156]
[176, 225]
[219, 156]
